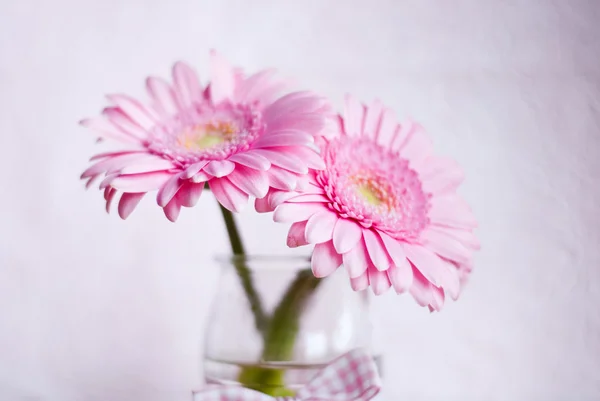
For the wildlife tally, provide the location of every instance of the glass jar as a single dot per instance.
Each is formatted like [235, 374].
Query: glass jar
[273, 325]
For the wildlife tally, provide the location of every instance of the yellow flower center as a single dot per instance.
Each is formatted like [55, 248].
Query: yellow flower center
[374, 192]
[205, 136]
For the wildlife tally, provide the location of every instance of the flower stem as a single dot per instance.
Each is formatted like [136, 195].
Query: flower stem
[280, 337]
[244, 273]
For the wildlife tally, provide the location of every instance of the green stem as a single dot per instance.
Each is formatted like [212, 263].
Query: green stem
[280, 337]
[244, 273]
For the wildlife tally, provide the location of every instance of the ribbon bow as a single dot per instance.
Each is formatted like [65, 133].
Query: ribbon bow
[351, 377]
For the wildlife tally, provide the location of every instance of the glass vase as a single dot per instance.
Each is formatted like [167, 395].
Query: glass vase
[273, 325]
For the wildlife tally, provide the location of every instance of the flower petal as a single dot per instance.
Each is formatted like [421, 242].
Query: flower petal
[346, 235]
[108, 130]
[401, 276]
[306, 198]
[168, 191]
[172, 210]
[293, 212]
[193, 169]
[360, 283]
[417, 148]
[428, 263]
[319, 227]
[356, 260]
[222, 84]
[189, 194]
[252, 160]
[387, 128]
[451, 211]
[219, 168]
[437, 298]
[253, 182]
[128, 202]
[135, 110]
[446, 247]
[110, 196]
[187, 85]
[465, 237]
[373, 119]
[354, 114]
[379, 280]
[376, 249]
[296, 237]
[231, 197]
[282, 179]
[286, 161]
[421, 288]
[325, 260]
[283, 138]
[164, 97]
[142, 182]
[261, 205]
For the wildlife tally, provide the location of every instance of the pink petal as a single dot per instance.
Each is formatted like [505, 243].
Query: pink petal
[310, 157]
[189, 194]
[254, 84]
[401, 276]
[444, 182]
[128, 203]
[219, 168]
[124, 122]
[282, 179]
[222, 84]
[228, 195]
[376, 250]
[291, 104]
[311, 122]
[164, 97]
[252, 160]
[325, 260]
[283, 138]
[373, 119]
[172, 210]
[417, 147]
[319, 227]
[110, 196]
[201, 177]
[451, 279]
[108, 130]
[356, 260]
[387, 128]
[306, 198]
[446, 247]
[146, 166]
[293, 212]
[428, 263]
[346, 235]
[437, 298]
[106, 164]
[142, 182]
[187, 85]
[354, 115]
[168, 191]
[296, 237]
[193, 169]
[277, 197]
[466, 238]
[135, 110]
[380, 282]
[402, 133]
[360, 283]
[421, 289]
[451, 212]
[253, 182]
[261, 205]
[286, 161]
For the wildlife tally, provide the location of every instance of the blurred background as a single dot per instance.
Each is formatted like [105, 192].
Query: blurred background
[95, 308]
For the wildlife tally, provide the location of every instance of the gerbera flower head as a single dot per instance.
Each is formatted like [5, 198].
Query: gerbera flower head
[237, 134]
[384, 207]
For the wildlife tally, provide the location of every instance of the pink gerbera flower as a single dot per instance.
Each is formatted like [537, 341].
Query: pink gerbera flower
[236, 134]
[384, 207]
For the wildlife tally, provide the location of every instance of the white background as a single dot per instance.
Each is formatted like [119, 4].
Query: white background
[94, 308]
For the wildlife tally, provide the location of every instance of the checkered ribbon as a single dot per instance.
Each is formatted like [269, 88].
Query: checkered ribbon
[351, 377]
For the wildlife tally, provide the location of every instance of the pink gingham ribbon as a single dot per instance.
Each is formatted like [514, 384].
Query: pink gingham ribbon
[351, 377]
